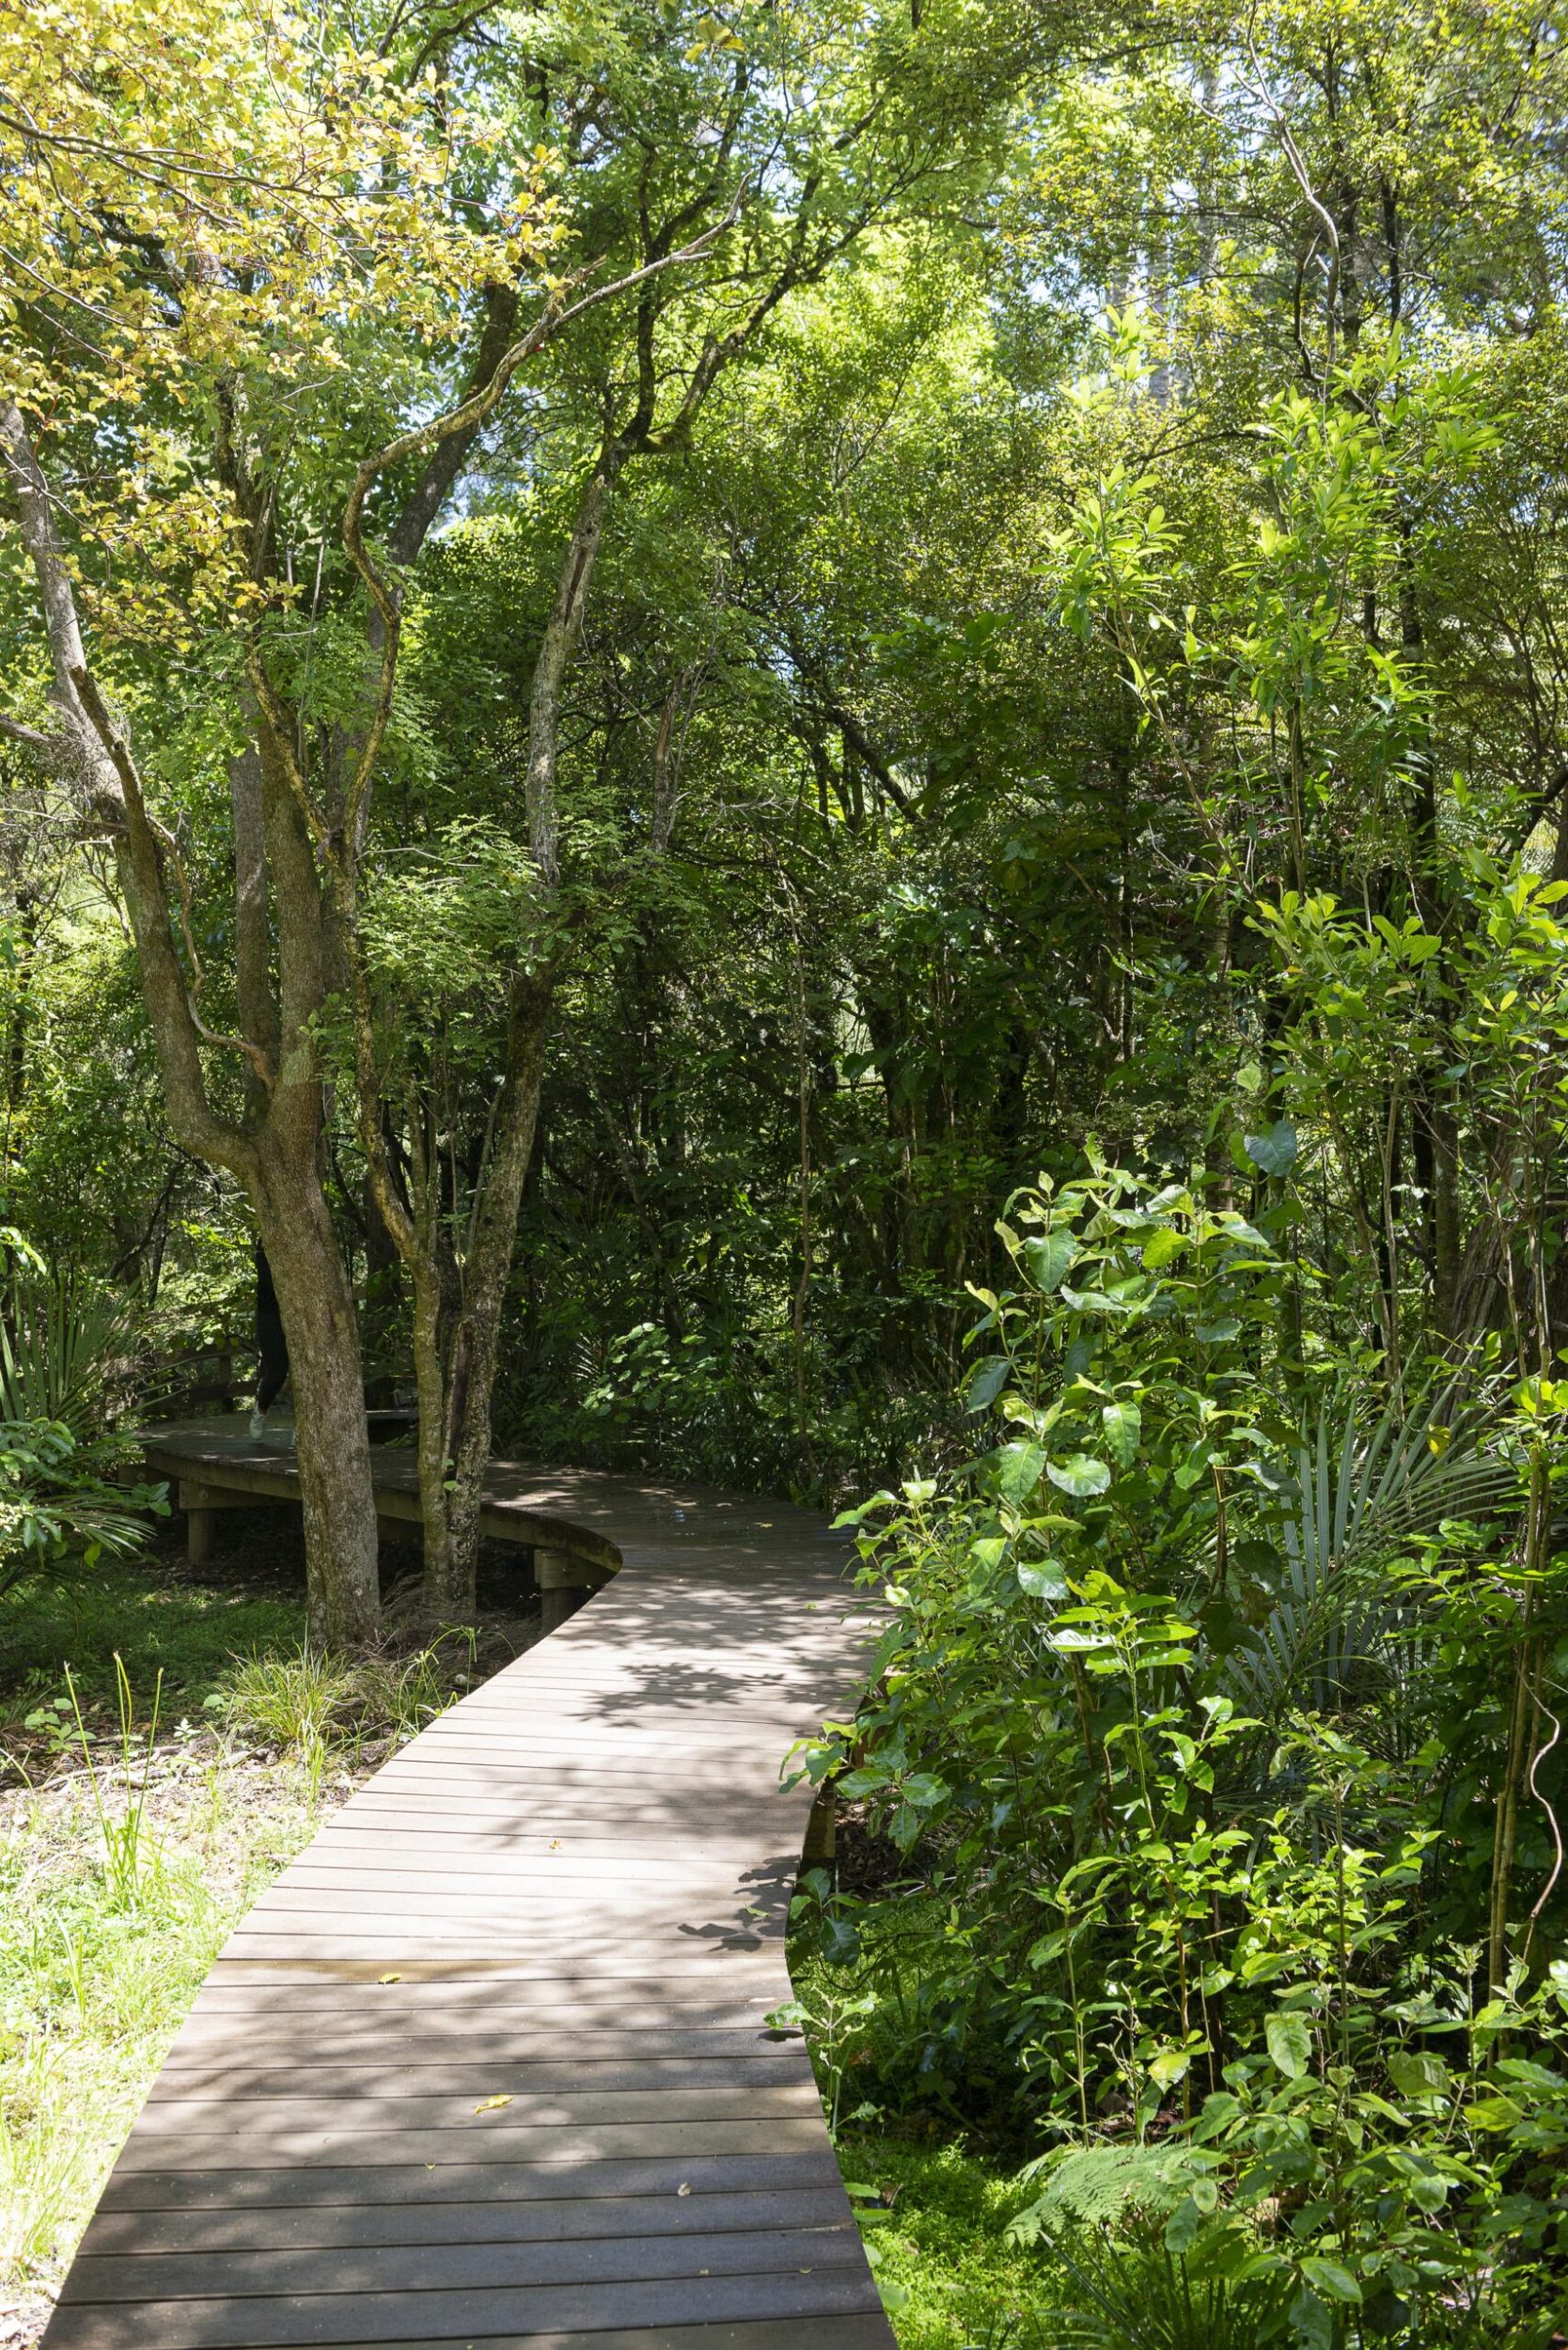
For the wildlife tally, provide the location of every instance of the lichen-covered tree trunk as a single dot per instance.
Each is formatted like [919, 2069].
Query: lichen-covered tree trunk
[332, 1443]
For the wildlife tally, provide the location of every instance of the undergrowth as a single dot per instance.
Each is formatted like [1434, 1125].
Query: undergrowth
[158, 1620]
[935, 2221]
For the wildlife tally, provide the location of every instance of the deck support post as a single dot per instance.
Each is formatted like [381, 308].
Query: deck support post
[563, 1583]
[201, 1504]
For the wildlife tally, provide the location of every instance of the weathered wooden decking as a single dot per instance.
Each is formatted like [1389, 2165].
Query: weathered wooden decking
[489, 2063]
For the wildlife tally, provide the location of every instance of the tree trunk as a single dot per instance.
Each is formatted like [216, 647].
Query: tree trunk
[379, 1314]
[457, 1317]
[456, 1307]
[490, 1262]
[331, 1442]
[273, 1152]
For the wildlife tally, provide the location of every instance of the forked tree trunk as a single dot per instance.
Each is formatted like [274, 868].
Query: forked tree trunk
[457, 1319]
[273, 1152]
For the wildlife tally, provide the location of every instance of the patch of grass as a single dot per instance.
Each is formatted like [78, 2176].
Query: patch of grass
[298, 1699]
[936, 2232]
[99, 1965]
[155, 1616]
[130, 1847]
[293, 1698]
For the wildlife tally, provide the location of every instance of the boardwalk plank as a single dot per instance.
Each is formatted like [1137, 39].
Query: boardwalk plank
[527, 2073]
[865, 2332]
[623, 2258]
[303, 2147]
[303, 2227]
[416, 2185]
[587, 2055]
[252, 2323]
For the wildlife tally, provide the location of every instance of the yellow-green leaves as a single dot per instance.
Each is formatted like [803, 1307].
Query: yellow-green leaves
[212, 214]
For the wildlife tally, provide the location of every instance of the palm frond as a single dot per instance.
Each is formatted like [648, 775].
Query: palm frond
[1329, 1642]
[61, 1343]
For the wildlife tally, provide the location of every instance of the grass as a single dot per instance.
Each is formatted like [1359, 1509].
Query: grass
[935, 2221]
[149, 1613]
[300, 1699]
[100, 1962]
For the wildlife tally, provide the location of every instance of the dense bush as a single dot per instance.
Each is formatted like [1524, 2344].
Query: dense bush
[1195, 1716]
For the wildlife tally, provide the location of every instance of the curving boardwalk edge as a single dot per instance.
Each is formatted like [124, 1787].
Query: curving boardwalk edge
[488, 2065]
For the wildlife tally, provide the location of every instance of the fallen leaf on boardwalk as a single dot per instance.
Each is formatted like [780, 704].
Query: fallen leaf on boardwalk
[491, 2105]
[554, 1843]
[683, 2189]
[389, 1978]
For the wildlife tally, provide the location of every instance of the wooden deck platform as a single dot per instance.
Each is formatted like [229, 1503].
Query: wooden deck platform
[488, 2064]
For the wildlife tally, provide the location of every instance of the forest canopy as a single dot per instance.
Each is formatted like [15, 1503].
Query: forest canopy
[827, 746]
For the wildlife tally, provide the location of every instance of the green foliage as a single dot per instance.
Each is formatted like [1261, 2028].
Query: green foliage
[290, 1699]
[934, 2219]
[1095, 669]
[64, 1501]
[160, 1623]
[1131, 1720]
[92, 1984]
[302, 1701]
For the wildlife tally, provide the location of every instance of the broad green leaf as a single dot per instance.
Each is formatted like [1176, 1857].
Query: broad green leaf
[1313, 2321]
[1163, 1247]
[1417, 2073]
[1079, 1474]
[1273, 1154]
[1044, 1579]
[1329, 2277]
[986, 1384]
[1090, 1302]
[1289, 2042]
[1493, 2113]
[1018, 1468]
[1182, 2228]
[1124, 1424]
[1050, 1258]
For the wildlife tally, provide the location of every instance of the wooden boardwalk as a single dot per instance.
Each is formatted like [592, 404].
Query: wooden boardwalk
[488, 2064]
